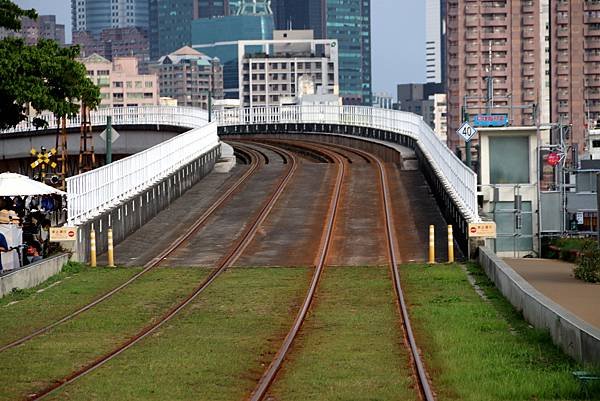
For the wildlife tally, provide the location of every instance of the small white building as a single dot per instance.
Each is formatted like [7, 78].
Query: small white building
[271, 71]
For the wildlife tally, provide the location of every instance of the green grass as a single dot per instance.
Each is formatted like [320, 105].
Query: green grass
[37, 363]
[350, 348]
[482, 350]
[24, 311]
[216, 350]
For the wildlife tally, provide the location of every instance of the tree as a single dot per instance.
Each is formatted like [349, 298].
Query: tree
[44, 76]
[10, 15]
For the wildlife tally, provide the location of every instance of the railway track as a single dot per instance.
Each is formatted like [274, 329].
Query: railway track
[270, 374]
[227, 261]
[255, 163]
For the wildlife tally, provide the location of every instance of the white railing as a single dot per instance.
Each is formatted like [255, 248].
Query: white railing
[90, 193]
[459, 181]
[187, 117]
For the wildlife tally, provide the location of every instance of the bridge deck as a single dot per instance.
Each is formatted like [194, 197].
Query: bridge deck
[291, 234]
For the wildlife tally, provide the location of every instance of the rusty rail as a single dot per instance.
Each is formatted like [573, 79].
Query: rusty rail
[269, 375]
[255, 164]
[425, 390]
[225, 262]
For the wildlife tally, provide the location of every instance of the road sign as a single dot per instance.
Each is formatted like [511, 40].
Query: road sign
[60, 234]
[490, 120]
[579, 218]
[554, 158]
[486, 229]
[115, 135]
[467, 132]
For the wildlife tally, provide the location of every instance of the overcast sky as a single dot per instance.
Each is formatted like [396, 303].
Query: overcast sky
[398, 30]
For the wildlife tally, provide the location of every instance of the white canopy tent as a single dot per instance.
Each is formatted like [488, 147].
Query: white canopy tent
[12, 184]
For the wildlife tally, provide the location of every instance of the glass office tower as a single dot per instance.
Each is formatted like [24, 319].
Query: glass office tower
[96, 15]
[217, 37]
[349, 21]
[170, 26]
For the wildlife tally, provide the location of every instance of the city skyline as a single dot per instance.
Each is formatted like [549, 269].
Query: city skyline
[390, 20]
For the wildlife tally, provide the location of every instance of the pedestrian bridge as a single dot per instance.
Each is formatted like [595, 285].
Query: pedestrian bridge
[92, 193]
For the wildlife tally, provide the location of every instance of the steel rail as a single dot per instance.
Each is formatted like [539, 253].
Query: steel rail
[269, 375]
[255, 164]
[226, 262]
[425, 390]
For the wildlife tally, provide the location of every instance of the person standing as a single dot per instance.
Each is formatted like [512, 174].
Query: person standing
[3, 248]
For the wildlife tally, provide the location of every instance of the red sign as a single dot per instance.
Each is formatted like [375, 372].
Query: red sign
[473, 230]
[553, 159]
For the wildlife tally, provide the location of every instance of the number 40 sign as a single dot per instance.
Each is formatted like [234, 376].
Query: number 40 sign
[467, 132]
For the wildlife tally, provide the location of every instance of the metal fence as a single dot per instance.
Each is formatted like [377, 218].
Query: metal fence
[459, 180]
[187, 117]
[90, 193]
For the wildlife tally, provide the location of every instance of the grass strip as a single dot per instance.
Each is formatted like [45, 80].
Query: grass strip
[24, 311]
[38, 362]
[351, 347]
[482, 350]
[216, 350]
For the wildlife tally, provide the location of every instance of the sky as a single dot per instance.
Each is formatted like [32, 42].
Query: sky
[397, 29]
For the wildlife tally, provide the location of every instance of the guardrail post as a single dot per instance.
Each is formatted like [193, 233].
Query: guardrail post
[93, 248]
[111, 257]
[431, 244]
[450, 245]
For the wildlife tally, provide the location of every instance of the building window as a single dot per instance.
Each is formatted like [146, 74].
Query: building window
[509, 160]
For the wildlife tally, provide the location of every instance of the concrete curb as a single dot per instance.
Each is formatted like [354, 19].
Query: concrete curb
[574, 336]
[33, 274]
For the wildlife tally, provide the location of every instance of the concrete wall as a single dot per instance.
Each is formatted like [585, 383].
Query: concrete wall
[574, 336]
[33, 274]
[136, 211]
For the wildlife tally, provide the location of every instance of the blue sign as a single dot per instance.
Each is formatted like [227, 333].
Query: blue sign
[491, 120]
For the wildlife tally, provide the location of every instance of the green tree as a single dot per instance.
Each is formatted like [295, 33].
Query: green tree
[45, 76]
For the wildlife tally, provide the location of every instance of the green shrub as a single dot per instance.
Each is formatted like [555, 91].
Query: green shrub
[73, 267]
[588, 265]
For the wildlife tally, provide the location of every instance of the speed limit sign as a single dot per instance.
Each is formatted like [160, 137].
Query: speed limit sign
[466, 131]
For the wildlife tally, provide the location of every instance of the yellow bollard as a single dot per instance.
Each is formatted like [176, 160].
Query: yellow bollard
[450, 245]
[111, 256]
[431, 244]
[93, 248]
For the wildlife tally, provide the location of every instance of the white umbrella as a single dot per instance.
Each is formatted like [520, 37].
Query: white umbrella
[12, 184]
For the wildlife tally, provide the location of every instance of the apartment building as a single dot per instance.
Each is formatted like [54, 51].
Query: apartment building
[190, 77]
[271, 70]
[500, 39]
[119, 82]
[32, 30]
[574, 30]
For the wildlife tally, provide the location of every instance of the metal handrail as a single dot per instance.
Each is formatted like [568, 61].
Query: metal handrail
[90, 193]
[458, 179]
[187, 117]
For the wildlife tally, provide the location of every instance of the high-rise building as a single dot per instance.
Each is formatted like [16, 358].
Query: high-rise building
[274, 72]
[435, 28]
[211, 8]
[348, 21]
[307, 14]
[170, 25]
[189, 77]
[575, 65]
[120, 83]
[218, 37]
[426, 100]
[115, 42]
[97, 15]
[32, 30]
[499, 39]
